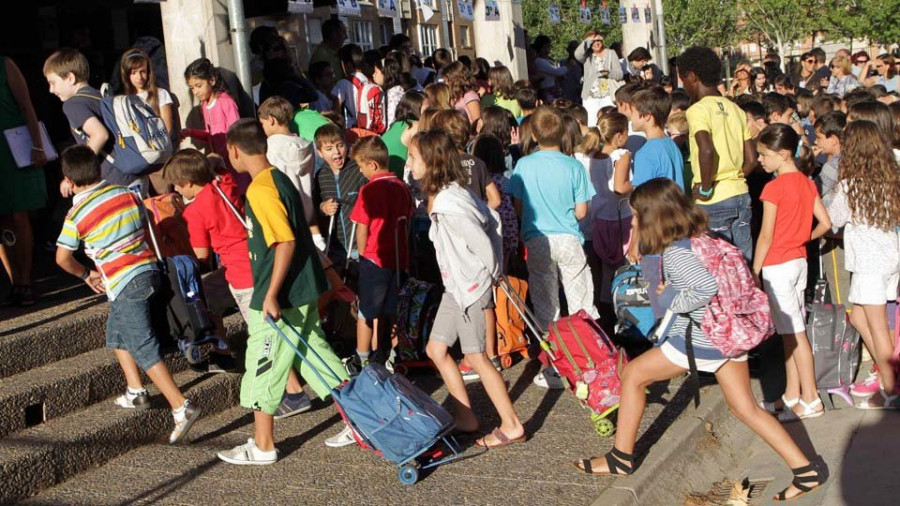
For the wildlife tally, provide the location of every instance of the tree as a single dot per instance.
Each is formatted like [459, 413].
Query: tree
[711, 23]
[537, 22]
[781, 22]
[875, 20]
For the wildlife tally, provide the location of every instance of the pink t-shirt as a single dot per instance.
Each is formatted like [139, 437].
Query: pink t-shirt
[470, 96]
[218, 117]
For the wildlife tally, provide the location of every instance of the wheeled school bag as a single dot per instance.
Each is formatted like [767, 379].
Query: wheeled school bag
[388, 414]
[166, 223]
[141, 143]
[631, 302]
[417, 306]
[511, 328]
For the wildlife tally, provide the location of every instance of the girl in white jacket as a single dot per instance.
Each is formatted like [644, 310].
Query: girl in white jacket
[467, 240]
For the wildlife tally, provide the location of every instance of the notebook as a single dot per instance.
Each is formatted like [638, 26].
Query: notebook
[20, 144]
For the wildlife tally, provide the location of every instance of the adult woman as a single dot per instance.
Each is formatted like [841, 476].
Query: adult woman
[602, 75]
[860, 63]
[463, 96]
[842, 79]
[759, 81]
[807, 69]
[887, 74]
[547, 71]
[23, 189]
[741, 84]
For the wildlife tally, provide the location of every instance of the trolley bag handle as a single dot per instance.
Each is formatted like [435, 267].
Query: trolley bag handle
[401, 223]
[526, 314]
[234, 210]
[305, 360]
[150, 222]
[330, 233]
[350, 250]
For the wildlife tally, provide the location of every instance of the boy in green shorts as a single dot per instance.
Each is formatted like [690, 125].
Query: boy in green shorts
[288, 279]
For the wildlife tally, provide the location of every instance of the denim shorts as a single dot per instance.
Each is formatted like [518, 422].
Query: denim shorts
[129, 326]
[730, 220]
[378, 291]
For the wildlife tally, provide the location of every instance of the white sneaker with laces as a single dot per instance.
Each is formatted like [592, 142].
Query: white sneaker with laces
[343, 438]
[549, 378]
[249, 455]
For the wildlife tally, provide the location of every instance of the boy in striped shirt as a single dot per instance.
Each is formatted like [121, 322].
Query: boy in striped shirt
[107, 219]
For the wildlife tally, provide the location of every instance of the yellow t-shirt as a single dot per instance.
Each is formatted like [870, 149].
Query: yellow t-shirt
[727, 126]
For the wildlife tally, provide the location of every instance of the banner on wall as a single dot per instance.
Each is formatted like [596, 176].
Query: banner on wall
[300, 6]
[466, 9]
[623, 15]
[427, 8]
[553, 13]
[348, 7]
[585, 15]
[604, 14]
[388, 8]
[648, 14]
[491, 10]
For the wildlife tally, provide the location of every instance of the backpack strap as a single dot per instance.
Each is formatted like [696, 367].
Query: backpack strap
[234, 210]
[692, 362]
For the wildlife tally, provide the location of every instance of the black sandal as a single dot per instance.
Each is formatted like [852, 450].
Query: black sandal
[800, 483]
[616, 460]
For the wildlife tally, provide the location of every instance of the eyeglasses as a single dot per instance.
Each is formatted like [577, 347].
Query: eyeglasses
[862, 62]
[809, 61]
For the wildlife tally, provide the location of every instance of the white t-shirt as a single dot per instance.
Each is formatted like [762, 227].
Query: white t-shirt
[162, 97]
[606, 204]
[293, 156]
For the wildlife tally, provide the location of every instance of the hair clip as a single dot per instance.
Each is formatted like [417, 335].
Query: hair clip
[799, 150]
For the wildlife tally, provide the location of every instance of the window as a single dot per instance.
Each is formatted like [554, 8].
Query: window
[387, 30]
[464, 37]
[362, 34]
[428, 39]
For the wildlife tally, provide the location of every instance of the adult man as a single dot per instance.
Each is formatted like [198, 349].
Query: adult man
[639, 65]
[334, 33]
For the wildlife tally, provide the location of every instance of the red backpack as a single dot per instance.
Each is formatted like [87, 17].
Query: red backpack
[369, 106]
[738, 317]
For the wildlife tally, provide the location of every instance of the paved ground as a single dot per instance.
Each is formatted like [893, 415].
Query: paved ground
[537, 472]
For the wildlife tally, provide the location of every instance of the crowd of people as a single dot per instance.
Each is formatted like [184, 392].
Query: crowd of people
[371, 155]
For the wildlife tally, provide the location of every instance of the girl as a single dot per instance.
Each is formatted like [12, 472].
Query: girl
[438, 95]
[877, 113]
[406, 114]
[668, 220]
[759, 81]
[741, 83]
[867, 205]
[611, 223]
[392, 86]
[789, 204]
[462, 93]
[467, 240]
[138, 79]
[219, 112]
[502, 124]
[503, 91]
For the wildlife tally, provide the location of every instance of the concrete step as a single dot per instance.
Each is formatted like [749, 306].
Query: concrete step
[42, 456]
[61, 387]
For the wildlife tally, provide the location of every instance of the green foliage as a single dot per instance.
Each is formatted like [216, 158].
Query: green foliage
[712, 23]
[781, 22]
[537, 22]
[877, 20]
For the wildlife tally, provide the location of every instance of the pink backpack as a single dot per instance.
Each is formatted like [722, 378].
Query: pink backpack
[738, 317]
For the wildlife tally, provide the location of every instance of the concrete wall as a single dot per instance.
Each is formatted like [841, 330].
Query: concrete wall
[502, 41]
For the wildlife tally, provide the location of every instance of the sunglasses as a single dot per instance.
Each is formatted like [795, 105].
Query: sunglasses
[862, 62]
[810, 61]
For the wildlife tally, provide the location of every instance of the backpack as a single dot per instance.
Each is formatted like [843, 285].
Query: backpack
[167, 227]
[738, 317]
[141, 143]
[369, 106]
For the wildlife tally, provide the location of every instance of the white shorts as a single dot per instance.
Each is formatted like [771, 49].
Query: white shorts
[785, 285]
[873, 289]
[706, 365]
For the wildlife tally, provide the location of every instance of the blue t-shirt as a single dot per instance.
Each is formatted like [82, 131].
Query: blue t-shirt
[658, 158]
[549, 184]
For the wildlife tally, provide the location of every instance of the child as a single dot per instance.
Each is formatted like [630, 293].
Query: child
[489, 149]
[625, 104]
[867, 205]
[528, 101]
[67, 72]
[219, 112]
[138, 79]
[552, 193]
[668, 221]
[503, 92]
[347, 90]
[336, 190]
[454, 122]
[659, 156]
[722, 152]
[467, 240]
[322, 75]
[382, 215]
[287, 279]
[292, 155]
[790, 202]
[215, 228]
[109, 218]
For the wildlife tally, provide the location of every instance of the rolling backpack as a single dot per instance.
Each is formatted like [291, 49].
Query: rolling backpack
[369, 106]
[141, 143]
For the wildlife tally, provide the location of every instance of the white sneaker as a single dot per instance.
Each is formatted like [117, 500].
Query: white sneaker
[549, 378]
[343, 438]
[249, 455]
[129, 400]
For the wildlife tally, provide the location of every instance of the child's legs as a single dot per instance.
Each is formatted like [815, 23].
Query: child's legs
[130, 369]
[268, 362]
[264, 430]
[306, 320]
[734, 378]
[376, 287]
[490, 330]
[574, 273]
[543, 281]
[784, 284]
[876, 317]
[869, 294]
[23, 251]
[444, 333]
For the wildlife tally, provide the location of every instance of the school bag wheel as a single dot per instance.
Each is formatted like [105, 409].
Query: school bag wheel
[409, 474]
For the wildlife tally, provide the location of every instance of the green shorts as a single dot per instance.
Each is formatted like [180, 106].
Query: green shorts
[270, 359]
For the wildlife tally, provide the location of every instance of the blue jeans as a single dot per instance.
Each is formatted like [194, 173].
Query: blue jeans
[130, 326]
[730, 220]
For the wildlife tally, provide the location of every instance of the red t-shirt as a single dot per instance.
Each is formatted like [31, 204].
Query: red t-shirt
[380, 203]
[212, 224]
[795, 195]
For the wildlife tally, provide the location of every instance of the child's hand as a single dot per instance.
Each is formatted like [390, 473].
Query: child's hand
[329, 207]
[634, 254]
[661, 288]
[65, 189]
[271, 308]
[757, 278]
[95, 281]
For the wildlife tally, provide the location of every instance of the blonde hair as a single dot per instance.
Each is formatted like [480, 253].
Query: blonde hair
[843, 62]
[678, 124]
[611, 124]
[438, 95]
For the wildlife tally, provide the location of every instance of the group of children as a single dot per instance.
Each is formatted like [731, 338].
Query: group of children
[658, 169]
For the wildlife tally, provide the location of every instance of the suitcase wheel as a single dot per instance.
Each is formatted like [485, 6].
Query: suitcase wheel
[603, 426]
[193, 354]
[409, 474]
[506, 361]
[401, 369]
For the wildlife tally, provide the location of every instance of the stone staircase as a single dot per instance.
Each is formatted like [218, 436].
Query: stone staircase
[57, 386]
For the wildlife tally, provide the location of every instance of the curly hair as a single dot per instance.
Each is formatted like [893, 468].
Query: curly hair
[868, 169]
[459, 79]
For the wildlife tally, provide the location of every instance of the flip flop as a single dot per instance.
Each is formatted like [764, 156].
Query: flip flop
[503, 438]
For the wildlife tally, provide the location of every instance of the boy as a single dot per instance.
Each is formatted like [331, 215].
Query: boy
[336, 189]
[722, 152]
[288, 279]
[214, 227]
[383, 206]
[67, 73]
[109, 218]
[829, 128]
[528, 100]
[659, 156]
[551, 193]
[290, 154]
[352, 63]
[624, 104]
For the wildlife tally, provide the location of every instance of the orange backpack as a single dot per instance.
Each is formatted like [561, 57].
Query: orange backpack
[511, 336]
[168, 227]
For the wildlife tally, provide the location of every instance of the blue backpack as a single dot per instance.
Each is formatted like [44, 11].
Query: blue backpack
[141, 143]
[398, 418]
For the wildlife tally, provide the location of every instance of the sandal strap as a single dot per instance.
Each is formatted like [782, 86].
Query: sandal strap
[810, 408]
[805, 469]
[586, 464]
[627, 457]
[503, 438]
[798, 483]
[615, 465]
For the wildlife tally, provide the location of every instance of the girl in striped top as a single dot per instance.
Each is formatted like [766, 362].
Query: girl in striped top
[668, 220]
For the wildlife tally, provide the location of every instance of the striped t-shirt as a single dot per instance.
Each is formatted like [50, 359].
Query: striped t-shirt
[108, 219]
